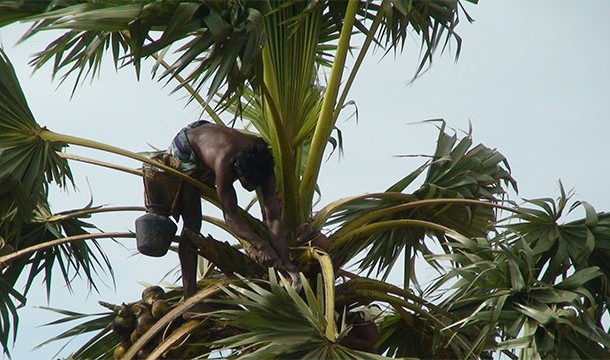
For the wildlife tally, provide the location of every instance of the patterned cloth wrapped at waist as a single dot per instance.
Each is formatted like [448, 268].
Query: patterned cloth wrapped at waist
[181, 149]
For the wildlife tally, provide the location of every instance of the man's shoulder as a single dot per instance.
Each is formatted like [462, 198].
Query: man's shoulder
[198, 123]
[220, 134]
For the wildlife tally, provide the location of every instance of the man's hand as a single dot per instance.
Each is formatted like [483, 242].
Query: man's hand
[264, 254]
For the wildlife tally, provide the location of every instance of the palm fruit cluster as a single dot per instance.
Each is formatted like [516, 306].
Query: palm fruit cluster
[135, 319]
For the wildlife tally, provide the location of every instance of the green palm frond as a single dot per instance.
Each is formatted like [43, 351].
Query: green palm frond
[224, 39]
[562, 246]
[472, 172]
[263, 313]
[412, 336]
[462, 188]
[81, 53]
[104, 341]
[225, 42]
[459, 170]
[497, 293]
[27, 163]
[433, 21]
[16, 10]
[76, 259]
[82, 260]
[10, 301]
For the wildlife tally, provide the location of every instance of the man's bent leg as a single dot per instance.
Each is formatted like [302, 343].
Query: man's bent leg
[190, 209]
[188, 265]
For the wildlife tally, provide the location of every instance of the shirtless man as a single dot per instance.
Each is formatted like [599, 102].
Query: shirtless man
[218, 156]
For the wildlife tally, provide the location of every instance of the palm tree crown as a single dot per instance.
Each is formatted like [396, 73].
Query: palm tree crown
[519, 281]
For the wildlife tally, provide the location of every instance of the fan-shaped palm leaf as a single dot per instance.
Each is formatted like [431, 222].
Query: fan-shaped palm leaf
[227, 34]
[579, 244]
[462, 188]
[500, 291]
[27, 163]
[94, 322]
[73, 260]
[263, 314]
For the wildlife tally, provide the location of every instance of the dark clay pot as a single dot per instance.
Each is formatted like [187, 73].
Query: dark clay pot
[154, 232]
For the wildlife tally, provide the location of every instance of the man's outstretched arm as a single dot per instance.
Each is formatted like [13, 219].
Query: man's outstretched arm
[272, 216]
[228, 203]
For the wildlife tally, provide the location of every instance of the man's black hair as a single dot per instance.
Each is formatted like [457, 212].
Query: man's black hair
[254, 163]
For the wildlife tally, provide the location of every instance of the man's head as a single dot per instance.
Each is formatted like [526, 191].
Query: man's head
[254, 165]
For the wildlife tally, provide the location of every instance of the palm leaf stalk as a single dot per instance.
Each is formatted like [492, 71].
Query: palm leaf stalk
[105, 164]
[6, 259]
[53, 137]
[64, 215]
[328, 278]
[370, 38]
[325, 122]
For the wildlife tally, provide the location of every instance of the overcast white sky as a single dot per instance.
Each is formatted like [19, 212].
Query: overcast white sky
[532, 79]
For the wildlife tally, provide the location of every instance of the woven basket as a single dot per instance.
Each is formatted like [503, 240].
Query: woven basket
[161, 188]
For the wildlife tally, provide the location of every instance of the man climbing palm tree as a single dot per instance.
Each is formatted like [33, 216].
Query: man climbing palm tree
[218, 156]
